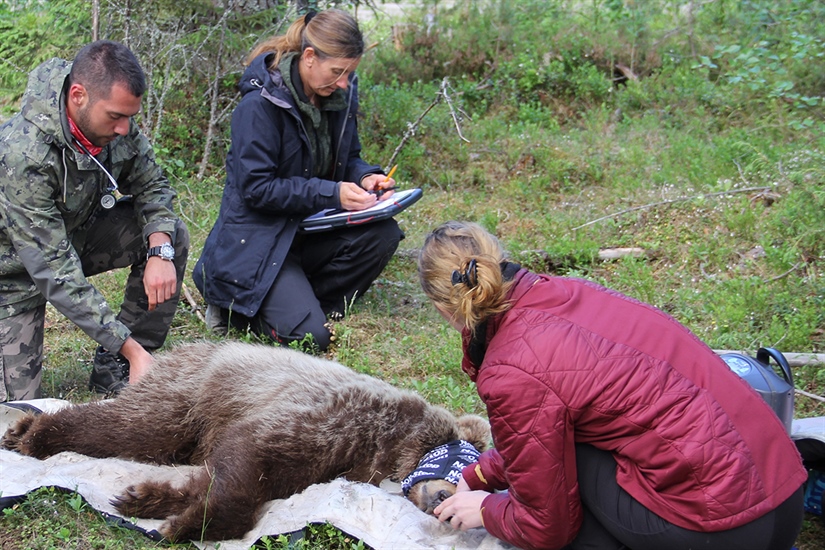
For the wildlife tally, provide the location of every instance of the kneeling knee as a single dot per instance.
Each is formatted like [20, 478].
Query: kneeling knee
[308, 336]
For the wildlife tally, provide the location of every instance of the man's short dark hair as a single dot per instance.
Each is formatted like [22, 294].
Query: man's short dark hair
[100, 65]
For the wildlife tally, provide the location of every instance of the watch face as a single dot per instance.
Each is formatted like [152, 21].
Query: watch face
[167, 252]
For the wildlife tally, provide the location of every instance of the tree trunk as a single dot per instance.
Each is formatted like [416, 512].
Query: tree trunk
[95, 20]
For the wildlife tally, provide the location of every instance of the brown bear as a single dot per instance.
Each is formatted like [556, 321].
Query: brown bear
[265, 422]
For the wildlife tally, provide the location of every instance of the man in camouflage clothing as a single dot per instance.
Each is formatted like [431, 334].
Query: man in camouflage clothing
[80, 194]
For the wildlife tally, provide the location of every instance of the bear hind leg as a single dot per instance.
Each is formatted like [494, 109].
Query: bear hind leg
[217, 510]
[226, 496]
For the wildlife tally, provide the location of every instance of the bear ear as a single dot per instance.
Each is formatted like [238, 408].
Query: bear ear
[475, 430]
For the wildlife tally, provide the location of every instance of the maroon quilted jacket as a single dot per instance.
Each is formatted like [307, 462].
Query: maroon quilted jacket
[573, 362]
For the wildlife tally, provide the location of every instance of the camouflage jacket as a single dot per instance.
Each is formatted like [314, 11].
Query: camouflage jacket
[49, 190]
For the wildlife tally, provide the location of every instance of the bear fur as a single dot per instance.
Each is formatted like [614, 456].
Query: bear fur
[265, 422]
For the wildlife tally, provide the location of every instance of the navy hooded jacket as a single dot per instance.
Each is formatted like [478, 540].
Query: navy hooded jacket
[269, 188]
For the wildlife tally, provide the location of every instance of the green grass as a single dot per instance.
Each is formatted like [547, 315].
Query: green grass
[561, 162]
[53, 519]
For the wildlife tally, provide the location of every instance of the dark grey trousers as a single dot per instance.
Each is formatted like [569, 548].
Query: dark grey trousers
[114, 240]
[613, 520]
[322, 275]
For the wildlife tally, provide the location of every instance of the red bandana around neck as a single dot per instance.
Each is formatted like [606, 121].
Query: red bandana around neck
[83, 140]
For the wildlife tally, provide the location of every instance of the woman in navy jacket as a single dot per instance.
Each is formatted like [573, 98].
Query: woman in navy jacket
[295, 151]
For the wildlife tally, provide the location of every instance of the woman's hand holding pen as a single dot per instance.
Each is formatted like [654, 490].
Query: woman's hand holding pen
[380, 185]
[353, 197]
[374, 187]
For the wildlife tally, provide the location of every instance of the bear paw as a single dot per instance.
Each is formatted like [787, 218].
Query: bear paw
[156, 500]
[14, 438]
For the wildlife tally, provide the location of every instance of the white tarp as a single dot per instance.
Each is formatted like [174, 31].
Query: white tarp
[808, 428]
[380, 517]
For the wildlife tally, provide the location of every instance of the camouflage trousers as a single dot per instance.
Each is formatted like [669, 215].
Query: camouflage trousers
[111, 240]
[21, 354]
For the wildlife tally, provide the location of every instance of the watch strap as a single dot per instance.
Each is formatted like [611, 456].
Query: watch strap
[164, 251]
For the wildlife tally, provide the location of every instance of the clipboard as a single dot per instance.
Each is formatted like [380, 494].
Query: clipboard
[333, 218]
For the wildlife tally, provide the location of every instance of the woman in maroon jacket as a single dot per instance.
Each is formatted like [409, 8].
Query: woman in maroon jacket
[614, 426]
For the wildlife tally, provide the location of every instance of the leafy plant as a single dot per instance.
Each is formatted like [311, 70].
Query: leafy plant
[30, 33]
[321, 536]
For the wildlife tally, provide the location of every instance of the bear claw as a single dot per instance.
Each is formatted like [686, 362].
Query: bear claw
[13, 438]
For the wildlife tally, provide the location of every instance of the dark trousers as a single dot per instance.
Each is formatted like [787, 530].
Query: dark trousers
[613, 520]
[113, 240]
[322, 275]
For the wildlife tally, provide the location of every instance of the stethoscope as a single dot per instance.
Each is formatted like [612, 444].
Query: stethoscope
[108, 199]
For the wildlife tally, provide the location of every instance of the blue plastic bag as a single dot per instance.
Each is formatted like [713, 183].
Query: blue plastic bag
[814, 488]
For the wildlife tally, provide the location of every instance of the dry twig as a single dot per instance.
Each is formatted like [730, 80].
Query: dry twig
[783, 275]
[195, 307]
[445, 87]
[670, 201]
[413, 126]
[811, 395]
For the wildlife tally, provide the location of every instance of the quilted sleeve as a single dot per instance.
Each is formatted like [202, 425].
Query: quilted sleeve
[487, 474]
[535, 439]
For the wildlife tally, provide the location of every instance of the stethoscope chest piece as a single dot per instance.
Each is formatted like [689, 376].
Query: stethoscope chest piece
[108, 201]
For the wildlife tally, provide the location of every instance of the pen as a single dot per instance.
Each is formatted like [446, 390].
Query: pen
[392, 171]
[380, 192]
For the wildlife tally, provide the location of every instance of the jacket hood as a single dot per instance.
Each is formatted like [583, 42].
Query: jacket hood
[257, 76]
[475, 344]
[42, 102]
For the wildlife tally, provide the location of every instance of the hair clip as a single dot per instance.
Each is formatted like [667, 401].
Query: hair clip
[308, 17]
[469, 277]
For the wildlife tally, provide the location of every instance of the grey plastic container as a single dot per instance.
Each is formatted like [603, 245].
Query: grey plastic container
[778, 392]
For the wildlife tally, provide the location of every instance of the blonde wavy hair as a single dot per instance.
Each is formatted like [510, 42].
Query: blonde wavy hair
[459, 268]
[331, 33]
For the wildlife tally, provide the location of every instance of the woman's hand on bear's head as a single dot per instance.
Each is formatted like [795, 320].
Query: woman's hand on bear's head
[462, 510]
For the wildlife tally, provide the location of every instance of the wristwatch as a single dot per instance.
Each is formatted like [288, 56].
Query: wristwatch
[166, 251]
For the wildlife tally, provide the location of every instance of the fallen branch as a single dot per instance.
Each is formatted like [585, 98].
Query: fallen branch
[604, 254]
[616, 253]
[811, 395]
[794, 359]
[445, 86]
[627, 72]
[411, 128]
[671, 201]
